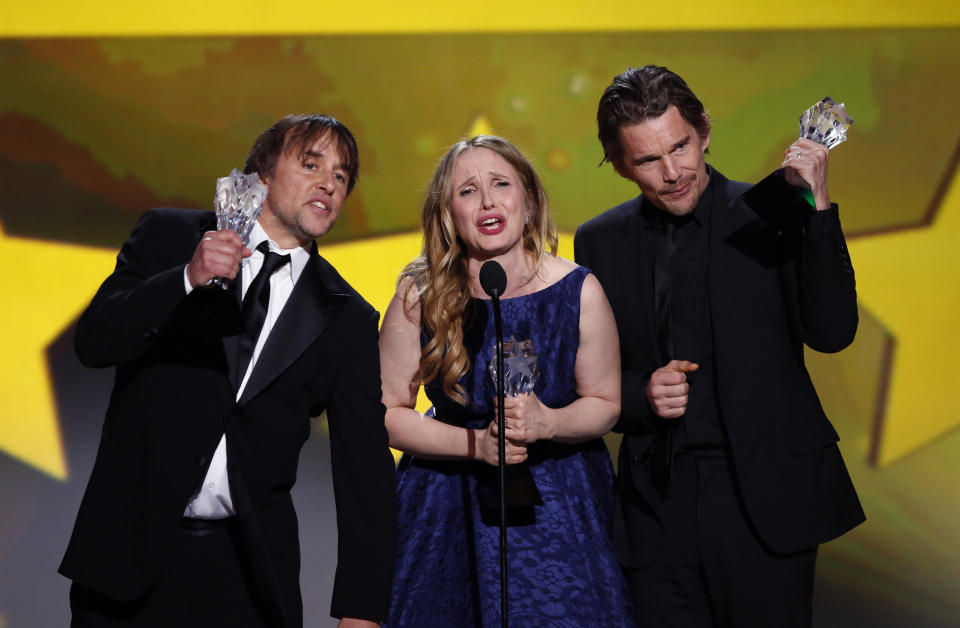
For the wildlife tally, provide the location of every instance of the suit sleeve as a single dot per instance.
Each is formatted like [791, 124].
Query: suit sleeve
[636, 415]
[133, 304]
[363, 480]
[826, 287]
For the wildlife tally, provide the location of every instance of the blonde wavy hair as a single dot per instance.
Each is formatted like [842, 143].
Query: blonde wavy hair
[440, 274]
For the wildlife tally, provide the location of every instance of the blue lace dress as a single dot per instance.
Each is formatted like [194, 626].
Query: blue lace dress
[562, 571]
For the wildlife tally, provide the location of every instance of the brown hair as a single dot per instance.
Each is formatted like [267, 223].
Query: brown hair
[440, 273]
[640, 94]
[298, 132]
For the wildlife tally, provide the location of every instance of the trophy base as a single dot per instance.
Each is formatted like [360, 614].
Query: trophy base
[521, 495]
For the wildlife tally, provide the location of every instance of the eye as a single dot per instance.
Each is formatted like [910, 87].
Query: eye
[339, 177]
[466, 191]
[681, 147]
[309, 165]
[502, 183]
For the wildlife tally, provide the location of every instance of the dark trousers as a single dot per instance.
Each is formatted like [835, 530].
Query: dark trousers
[713, 570]
[206, 583]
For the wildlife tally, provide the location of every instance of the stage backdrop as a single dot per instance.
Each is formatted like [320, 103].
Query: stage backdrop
[106, 110]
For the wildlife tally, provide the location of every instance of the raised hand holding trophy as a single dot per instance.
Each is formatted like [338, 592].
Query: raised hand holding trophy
[780, 204]
[238, 203]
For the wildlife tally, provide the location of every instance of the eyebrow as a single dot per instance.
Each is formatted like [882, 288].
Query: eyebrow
[492, 173]
[643, 158]
[471, 180]
[318, 154]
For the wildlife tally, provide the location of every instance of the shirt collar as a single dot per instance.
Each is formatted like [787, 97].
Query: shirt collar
[299, 256]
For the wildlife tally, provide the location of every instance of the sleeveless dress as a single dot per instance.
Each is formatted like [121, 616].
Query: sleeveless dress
[562, 571]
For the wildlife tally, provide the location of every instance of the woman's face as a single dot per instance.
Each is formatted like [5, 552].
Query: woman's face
[488, 203]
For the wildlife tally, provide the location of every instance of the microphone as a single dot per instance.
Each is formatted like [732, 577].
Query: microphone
[493, 279]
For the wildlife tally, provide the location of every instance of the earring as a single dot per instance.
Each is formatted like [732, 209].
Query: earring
[526, 219]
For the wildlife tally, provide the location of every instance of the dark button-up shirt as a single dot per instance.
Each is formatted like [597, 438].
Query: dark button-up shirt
[690, 328]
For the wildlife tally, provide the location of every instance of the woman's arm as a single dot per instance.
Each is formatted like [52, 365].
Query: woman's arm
[597, 373]
[411, 431]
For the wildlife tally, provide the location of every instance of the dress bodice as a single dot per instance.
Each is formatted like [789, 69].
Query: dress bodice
[550, 318]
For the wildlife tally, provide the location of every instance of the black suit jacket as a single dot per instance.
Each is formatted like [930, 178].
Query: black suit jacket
[174, 396]
[769, 294]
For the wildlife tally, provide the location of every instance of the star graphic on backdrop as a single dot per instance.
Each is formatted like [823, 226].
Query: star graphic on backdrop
[902, 278]
[908, 280]
[50, 283]
[480, 126]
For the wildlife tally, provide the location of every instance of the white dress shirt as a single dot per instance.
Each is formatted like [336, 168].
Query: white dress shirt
[212, 499]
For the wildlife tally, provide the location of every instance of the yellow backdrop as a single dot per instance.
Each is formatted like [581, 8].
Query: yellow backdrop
[892, 395]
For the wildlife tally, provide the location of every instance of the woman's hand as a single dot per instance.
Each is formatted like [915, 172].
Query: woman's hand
[527, 419]
[486, 446]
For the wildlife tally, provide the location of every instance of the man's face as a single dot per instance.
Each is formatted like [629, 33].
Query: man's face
[307, 191]
[664, 157]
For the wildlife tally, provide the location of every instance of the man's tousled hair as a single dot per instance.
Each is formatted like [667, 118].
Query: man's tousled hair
[641, 94]
[296, 132]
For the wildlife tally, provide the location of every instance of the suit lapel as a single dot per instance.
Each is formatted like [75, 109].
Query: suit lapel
[731, 222]
[312, 305]
[730, 215]
[636, 277]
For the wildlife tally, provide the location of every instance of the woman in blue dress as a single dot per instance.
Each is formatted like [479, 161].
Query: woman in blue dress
[487, 203]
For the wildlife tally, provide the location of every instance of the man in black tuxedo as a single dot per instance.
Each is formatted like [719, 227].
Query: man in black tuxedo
[729, 472]
[187, 519]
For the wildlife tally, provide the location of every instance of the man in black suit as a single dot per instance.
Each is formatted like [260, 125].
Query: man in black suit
[729, 472]
[187, 519]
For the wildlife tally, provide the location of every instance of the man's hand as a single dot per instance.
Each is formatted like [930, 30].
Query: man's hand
[350, 622]
[667, 389]
[218, 255]
[806, 166]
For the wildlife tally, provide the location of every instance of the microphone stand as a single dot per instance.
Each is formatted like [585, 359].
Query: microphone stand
[493, 280]
[501, 455]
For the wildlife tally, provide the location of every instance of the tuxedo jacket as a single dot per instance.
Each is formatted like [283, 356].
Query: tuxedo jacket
[175, 395]
[769, 294]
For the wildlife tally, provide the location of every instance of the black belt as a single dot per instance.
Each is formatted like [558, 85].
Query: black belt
[203, 527]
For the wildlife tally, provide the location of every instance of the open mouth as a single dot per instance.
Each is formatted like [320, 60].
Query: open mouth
[491, 225]
[319, 205]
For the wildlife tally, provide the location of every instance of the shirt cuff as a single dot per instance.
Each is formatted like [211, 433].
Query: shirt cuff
[186, 282]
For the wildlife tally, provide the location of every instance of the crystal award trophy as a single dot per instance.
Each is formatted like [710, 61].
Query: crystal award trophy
[238, 203]
[825, 123]
[520, 375]
[780, 205]
[520, 371]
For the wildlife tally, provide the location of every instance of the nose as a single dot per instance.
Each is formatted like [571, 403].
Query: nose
[324, 180]
[671, 170]
[486, 200]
